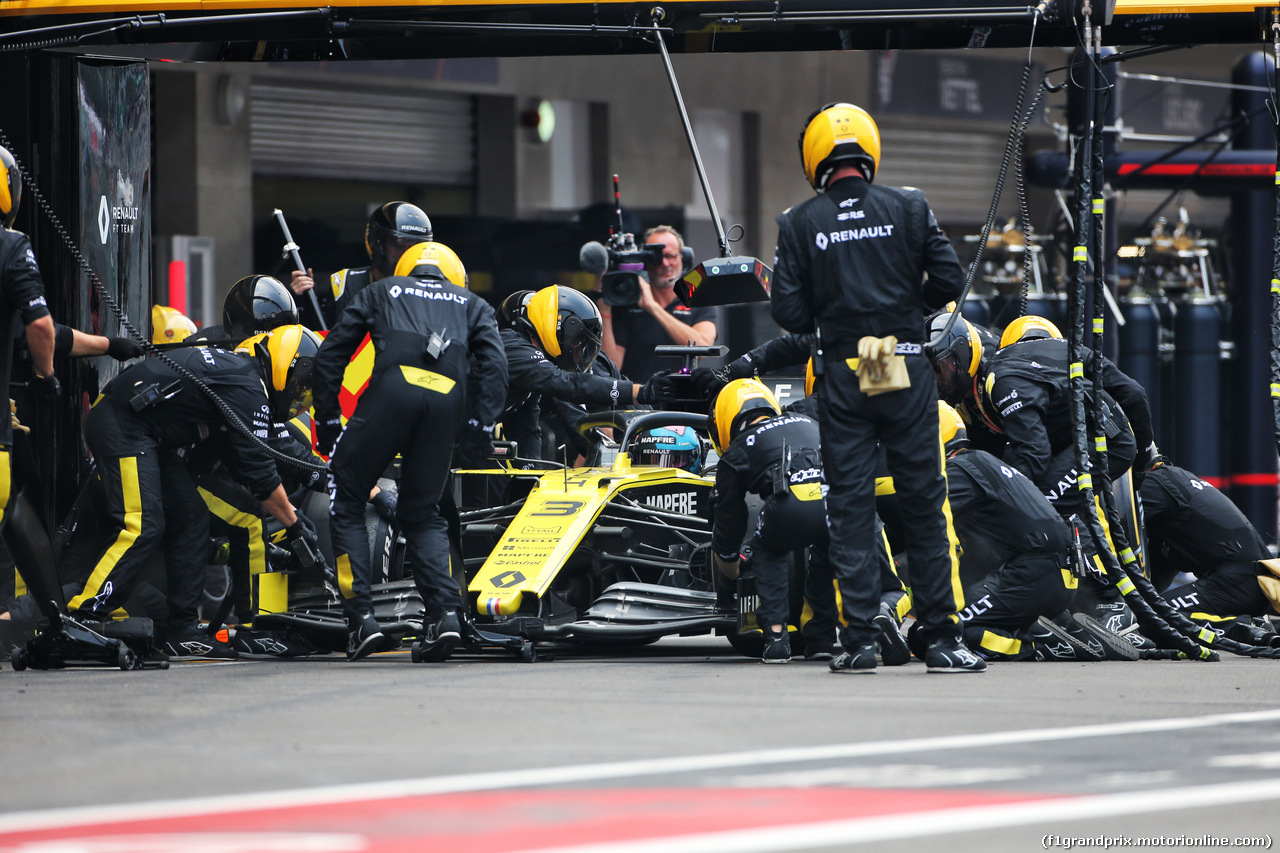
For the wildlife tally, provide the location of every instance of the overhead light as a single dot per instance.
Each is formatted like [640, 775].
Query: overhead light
[541, 120]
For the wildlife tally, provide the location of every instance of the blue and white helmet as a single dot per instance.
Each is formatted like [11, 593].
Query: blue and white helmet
[669, 447]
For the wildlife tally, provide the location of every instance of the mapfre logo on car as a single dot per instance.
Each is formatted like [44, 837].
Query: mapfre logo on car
[685, 503]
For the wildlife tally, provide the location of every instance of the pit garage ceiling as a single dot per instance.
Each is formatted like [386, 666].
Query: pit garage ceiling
[358, 29]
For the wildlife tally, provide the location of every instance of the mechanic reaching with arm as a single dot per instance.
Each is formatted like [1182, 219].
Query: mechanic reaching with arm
[1025, 396]
[1018, 546]
[864, 261]
[135, 430]
[631, 333]
[435, 344]
[551, 346]
[1192, 527]
[391, 229]
[775, 456]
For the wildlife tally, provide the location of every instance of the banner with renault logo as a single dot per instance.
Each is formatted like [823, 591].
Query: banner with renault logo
[114, 114]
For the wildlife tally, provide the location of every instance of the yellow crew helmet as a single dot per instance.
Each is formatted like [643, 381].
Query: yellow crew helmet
[1030, 327]
[951, 429]
[565, 324]
[288, 356]
[839, 134]
[738, 404]
[10, 188]
[956, 357]
[169, 325]
[432, 259]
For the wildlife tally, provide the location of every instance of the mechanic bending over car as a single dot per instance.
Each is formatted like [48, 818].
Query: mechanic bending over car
[391, 229]
[1022, 393]
[254, 304]
[551, 346]
[1194, 528]
[1016, 548]
[858, 265]
[439, 378]
[139, 431]
[775, 456]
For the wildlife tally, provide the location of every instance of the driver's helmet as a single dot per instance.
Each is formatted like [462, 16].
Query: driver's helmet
[668, 447]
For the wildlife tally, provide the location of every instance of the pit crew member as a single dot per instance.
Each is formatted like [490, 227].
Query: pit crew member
[134, 430]
[439, 375]
[861, 261]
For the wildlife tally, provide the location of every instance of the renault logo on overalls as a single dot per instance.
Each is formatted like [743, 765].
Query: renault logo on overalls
[821, 240]
[395, 291]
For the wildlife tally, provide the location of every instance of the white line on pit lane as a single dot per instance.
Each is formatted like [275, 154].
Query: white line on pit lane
[841, 833]
[543, 776]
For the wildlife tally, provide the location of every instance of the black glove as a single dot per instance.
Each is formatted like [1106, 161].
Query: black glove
[659, 387]
[302, 530]
[327, 433]
[123, 349]
[708, 381]
[46, 386]
[474, 444]
[385, 503]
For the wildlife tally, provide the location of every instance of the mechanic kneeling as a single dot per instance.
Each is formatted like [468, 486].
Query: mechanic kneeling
[135, 431]
[438, 361]
[777, 457]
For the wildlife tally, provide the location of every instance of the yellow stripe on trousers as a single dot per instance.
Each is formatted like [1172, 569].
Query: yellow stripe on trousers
[128, 535]
[251, 522]
[953, 544]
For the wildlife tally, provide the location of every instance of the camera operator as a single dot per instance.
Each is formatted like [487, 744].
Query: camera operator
[631, 333]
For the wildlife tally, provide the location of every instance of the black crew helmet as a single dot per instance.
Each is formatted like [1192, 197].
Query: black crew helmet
[10, 188]
[511, 309]
[255, 304]
[402, 225]
[956, 358]
[288, 358]
[565, 324]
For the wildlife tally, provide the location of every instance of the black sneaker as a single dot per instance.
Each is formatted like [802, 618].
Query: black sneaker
[860, 661]
[1138, 640]
[194, 643]
[948, 654]
[1115, 646]
[263, 645]
[917, 642]
[821, 650]
[1052, 642]
[439, 638]
[889, 640]
[1115, 616]
[365, 638]
[777, 647]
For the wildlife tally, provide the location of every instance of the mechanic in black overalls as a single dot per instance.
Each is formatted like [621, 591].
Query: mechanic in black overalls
[255, 304]
[1024, 545]
[865, 261]
[775, 456]
[1192, 527]
[551, 347]
[439, 378]
[148, 413]
[391, 229]
[1025, 395]
[23, 292]
[791, 351]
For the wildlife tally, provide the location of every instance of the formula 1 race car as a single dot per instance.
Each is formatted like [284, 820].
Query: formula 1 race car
[614, 553]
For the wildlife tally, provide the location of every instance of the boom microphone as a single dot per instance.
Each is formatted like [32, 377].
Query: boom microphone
[594, 258]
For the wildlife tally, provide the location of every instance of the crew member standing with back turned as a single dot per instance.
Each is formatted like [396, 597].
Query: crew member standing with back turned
[865, 261]
[435, 343]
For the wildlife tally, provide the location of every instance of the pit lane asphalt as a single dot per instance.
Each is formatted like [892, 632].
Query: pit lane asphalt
[100, 736]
